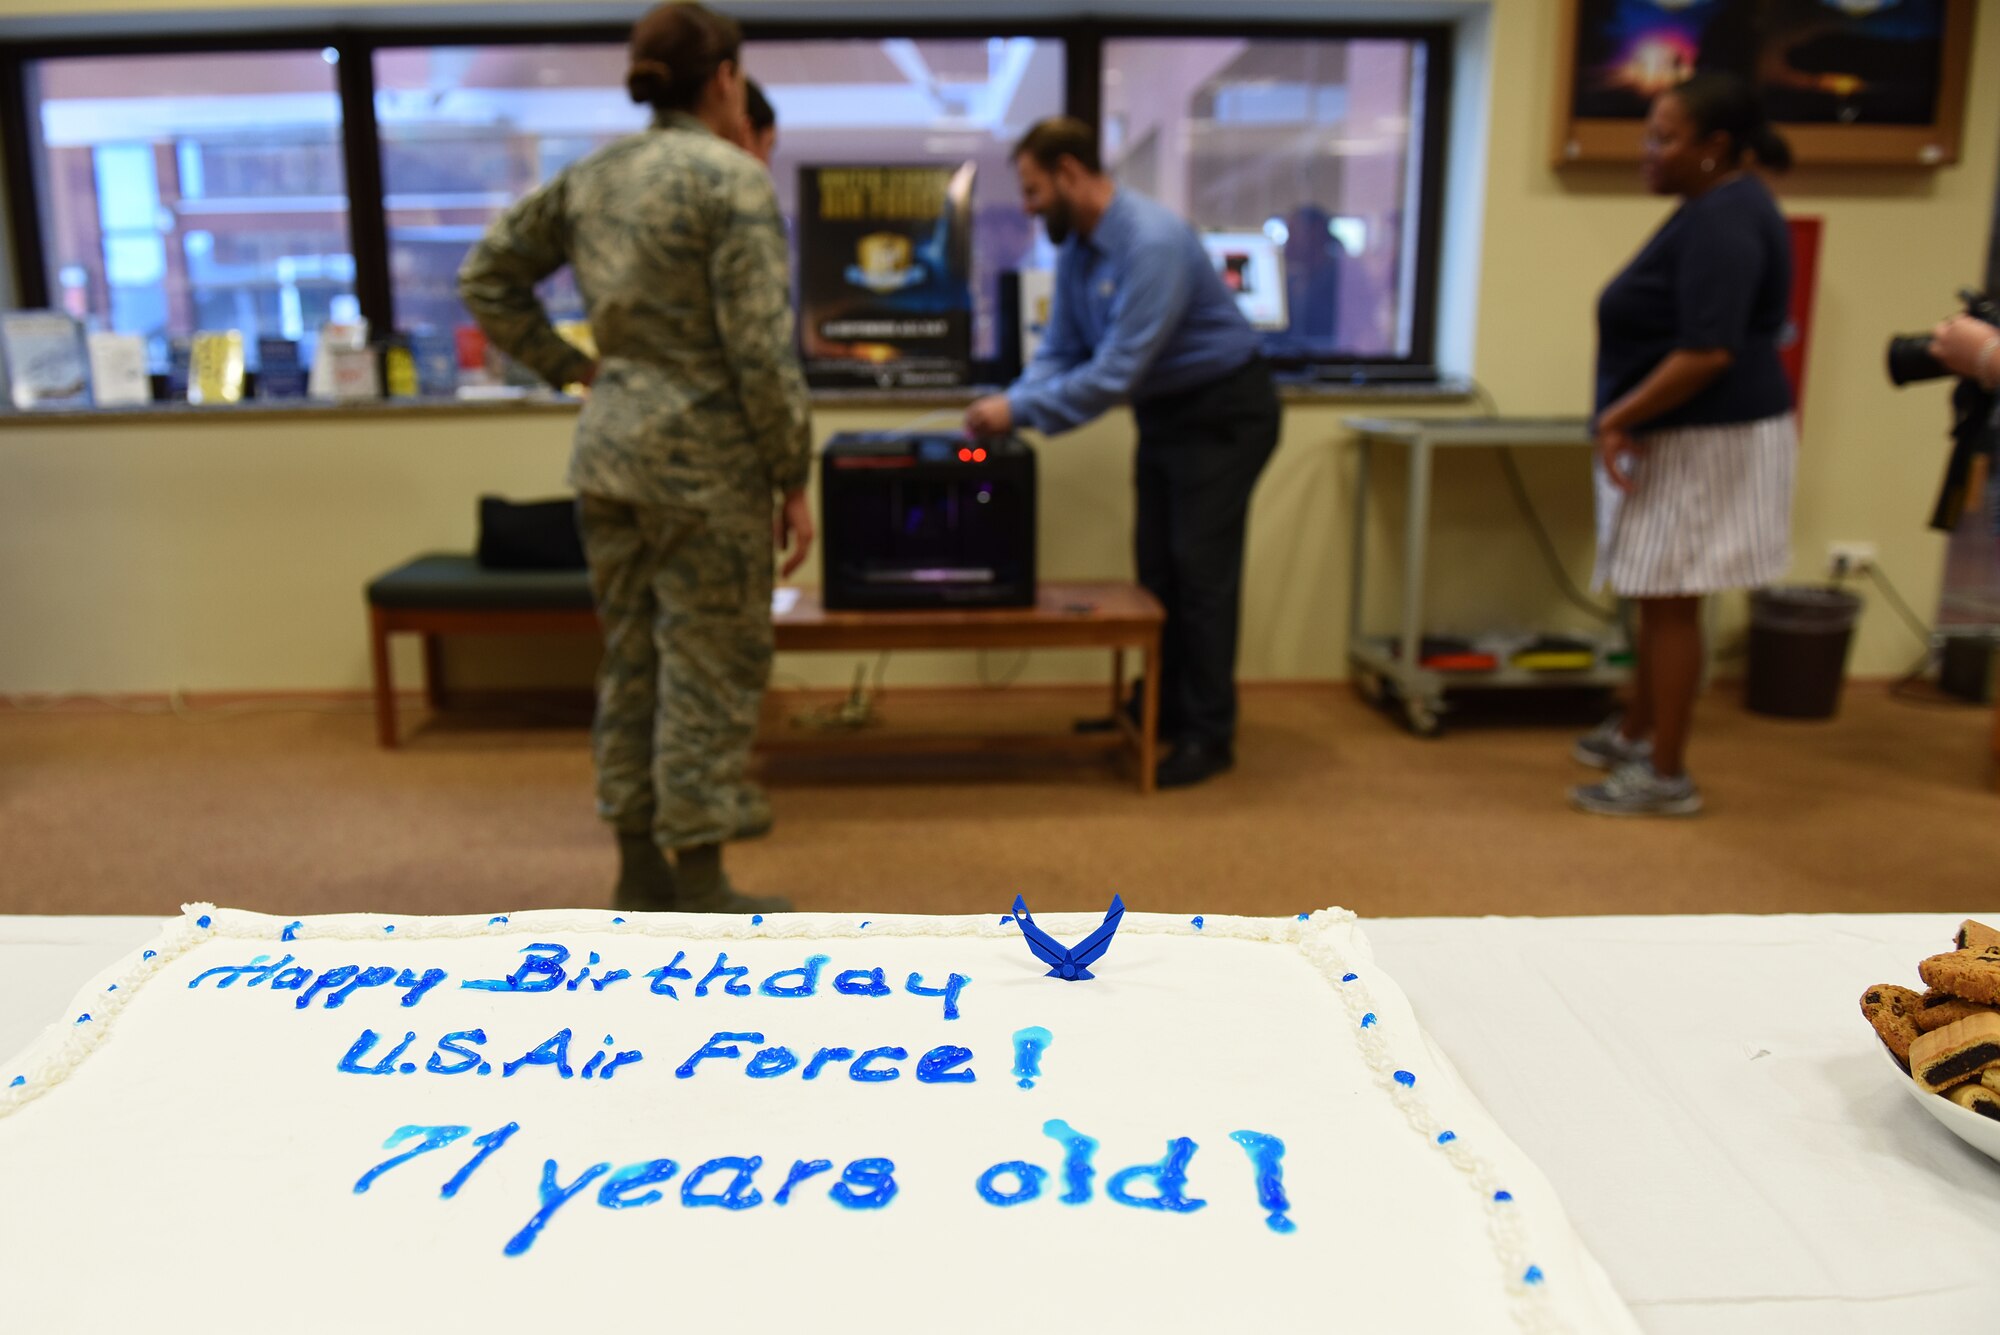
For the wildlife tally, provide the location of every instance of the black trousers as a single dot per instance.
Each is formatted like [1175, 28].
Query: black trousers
[1200, 454]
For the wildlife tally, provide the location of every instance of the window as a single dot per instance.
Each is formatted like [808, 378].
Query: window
[1315, 144]
[189, 192]
[900, 100]
[179, 189]
[467, 130]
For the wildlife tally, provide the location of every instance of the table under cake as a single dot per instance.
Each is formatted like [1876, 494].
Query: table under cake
[1702, 1092]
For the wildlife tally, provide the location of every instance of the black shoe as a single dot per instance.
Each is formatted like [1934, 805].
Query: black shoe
[1109, 722]
[645, 877]
[1193, 760]
[705, 888]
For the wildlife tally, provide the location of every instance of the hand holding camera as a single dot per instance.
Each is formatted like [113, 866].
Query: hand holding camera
[1967, 346]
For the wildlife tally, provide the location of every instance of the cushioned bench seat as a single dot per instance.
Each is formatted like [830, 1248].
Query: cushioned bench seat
[450, 593]
[454, 580]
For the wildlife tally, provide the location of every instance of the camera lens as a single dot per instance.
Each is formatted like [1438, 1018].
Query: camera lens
[1910, 360]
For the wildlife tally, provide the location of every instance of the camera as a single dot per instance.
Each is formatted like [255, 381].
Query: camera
[1910, 357]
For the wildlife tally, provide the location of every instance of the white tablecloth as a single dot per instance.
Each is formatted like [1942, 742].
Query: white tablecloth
[1703, 1092]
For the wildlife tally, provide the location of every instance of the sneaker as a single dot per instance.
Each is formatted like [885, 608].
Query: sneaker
[1605, 747]
[1635, 790]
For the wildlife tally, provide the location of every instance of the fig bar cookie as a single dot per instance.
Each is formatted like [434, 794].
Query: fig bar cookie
[1976, 1097]
[1936, 1009]
[1972, 973]
[1956, 1053]
[1893, 1012]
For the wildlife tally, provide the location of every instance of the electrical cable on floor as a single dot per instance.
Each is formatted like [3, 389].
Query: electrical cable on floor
[1900, 688]
[857, 710]
[1007, 678]
[1911, 619]
[1550, 556]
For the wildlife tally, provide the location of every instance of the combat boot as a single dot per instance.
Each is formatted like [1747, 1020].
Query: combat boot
[646, 882]
[703, 887]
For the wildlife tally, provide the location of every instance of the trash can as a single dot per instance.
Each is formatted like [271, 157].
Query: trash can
[1798, 650]
[1965, 668]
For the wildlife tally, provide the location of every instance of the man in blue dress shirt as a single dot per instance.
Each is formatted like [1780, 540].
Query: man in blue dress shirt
[1141, 317]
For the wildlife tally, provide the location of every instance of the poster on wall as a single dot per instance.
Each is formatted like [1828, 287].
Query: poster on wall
[1850, 82]
[885, 275]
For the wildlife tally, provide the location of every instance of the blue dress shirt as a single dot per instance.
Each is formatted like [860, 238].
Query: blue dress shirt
[1139, 311]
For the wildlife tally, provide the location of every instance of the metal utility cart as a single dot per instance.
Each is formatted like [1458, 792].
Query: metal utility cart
[1386, 665]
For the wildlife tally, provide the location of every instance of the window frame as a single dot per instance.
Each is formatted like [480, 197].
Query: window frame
[1083, 56]
[360, 165]
[1420, 365]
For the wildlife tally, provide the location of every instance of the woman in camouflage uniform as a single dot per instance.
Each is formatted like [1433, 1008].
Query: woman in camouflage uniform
[691, 451]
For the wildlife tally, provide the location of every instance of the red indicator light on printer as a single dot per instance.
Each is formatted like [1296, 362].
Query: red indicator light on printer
[979, 456]
[965, 456]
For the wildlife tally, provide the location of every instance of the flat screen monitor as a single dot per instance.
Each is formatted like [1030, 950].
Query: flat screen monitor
[1252, 267]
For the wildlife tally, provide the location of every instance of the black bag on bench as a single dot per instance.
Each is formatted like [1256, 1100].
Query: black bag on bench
[529, 535]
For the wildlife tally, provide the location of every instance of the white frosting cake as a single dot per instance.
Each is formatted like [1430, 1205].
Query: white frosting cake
[802, 1123]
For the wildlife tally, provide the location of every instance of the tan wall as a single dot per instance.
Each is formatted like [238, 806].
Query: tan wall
[231, 555]
[217, 555]
[1897, 246]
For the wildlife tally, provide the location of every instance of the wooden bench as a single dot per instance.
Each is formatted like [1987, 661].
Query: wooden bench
[451, 594]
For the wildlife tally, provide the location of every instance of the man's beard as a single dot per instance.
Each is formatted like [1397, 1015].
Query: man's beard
[1058, 221]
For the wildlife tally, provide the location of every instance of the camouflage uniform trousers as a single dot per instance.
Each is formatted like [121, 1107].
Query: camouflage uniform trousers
[685, 600]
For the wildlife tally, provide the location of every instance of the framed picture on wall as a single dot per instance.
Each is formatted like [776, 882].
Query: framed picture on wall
[1850, 82]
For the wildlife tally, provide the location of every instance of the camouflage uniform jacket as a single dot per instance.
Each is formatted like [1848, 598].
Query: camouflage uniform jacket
[680, 254]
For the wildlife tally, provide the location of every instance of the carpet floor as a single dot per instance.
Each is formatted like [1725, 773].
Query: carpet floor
[1889, 808]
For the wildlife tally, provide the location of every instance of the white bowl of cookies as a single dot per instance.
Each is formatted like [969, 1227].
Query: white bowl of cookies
[1945, 1041]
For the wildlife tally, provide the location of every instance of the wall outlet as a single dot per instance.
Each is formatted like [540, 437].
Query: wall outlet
[1847, 559]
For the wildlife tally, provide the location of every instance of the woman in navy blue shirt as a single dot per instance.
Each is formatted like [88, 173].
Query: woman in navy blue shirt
[1695, 434]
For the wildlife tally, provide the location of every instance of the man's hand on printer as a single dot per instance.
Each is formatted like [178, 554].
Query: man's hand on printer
[990, 416]
[792, 528]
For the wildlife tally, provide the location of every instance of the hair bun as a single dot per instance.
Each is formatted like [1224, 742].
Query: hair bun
[676, 48]
[1773, 150]
[648, 80]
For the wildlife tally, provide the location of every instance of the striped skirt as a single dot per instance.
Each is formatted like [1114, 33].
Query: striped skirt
[1711, 509]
